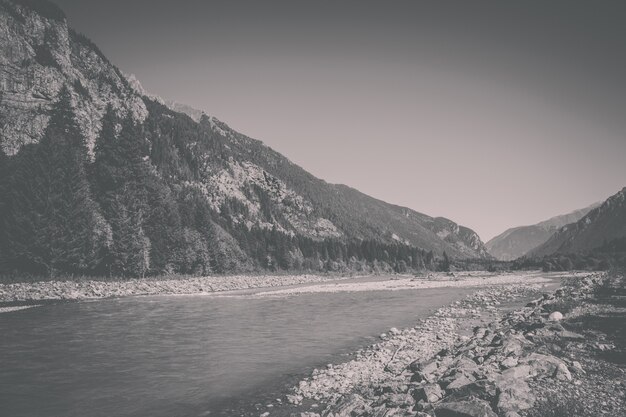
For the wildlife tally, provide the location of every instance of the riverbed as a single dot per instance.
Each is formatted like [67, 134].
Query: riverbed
[190, 355]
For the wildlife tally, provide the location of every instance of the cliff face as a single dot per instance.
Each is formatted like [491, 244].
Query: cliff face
[39, 54]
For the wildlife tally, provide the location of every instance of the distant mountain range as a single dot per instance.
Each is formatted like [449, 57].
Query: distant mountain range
[518, 241]
[602, 225]
[215, 200]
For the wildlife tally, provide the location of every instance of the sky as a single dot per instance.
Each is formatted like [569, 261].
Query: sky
[493, 114]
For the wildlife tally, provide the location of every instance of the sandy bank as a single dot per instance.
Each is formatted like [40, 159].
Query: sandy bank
[414, 283]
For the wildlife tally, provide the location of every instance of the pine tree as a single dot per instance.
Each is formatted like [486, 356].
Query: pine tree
[53, 223]
[119, 174]
[445, 264]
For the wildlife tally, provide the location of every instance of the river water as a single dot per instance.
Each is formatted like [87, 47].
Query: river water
[186, 355]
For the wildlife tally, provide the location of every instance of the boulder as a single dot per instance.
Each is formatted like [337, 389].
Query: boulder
[513, 345]
[566, 334]
[424, 371]
[509, 362]
[396, 387]
[459, 380]
[577, 368]
[542, 365]
[464, 365]
[426, 367]
[398, 400]
[515, 397]
[562, 373]
[430, 393]
[484, 389]
[469, 408]
[351, 406]
[555, 316]
[513, 375]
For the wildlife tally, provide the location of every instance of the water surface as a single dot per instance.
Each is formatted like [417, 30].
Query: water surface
[186, 355]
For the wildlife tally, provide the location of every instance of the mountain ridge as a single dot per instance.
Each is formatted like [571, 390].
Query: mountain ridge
[262, 210]
[518, 241]
[602, 225]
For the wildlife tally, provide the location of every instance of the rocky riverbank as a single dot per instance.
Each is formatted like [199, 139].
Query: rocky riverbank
[542, 360]
[90, 289]
[83, 289]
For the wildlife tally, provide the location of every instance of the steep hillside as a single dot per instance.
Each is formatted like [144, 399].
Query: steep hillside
[355, 215]
[600, 226]
[182, 194]
[518, 241]
[39, 55]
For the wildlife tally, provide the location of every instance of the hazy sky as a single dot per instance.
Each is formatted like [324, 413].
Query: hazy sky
[492, 114]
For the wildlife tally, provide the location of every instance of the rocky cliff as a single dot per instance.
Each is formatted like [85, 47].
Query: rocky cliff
[39, 55]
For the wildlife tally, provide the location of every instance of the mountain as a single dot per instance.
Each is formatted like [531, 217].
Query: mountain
[180, 193]
[518, 241]
[602, 225]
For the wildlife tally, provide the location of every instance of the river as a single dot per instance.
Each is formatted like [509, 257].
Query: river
[187, 355]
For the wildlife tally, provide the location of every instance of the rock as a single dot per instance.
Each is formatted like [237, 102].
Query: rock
[484, 389]
[512, 376]
[469, 408]
[465, 365]
[380, 411]
[424, 371]
[430, 393]
[426, 367]
[399, 400]
[394, 387]
[352, 405]
[309, 414]
[542, 365]
[459, 380]
[515, 397]
[566, 334]
[513, 345]
[577, 368]
[562, 373]
[294, 399]
[555, 316]
[509, 362]
[479, 332]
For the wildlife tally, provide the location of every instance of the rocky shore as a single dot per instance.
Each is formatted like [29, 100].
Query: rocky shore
[543, 360]
[83, 289]
[90, 289]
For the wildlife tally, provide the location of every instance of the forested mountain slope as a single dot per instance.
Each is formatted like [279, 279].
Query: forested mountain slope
[99, 178]
[600, 227]
[518, 241]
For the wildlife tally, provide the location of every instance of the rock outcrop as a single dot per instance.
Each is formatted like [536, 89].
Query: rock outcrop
[39, 55]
